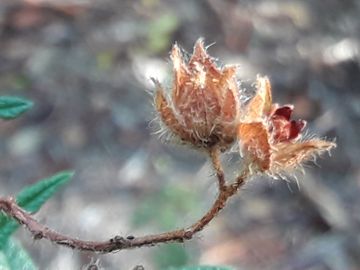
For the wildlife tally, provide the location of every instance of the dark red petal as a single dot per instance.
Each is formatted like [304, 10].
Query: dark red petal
[280, 129]
[295, 128]
[284, 111]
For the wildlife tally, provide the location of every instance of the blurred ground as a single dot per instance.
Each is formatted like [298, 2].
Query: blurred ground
[86, 65]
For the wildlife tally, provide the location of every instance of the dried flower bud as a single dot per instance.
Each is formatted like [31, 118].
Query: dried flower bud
[203, 106]
[269, 140]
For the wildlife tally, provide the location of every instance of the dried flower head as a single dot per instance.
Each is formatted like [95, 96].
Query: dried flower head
[269, 140]
[203, 106]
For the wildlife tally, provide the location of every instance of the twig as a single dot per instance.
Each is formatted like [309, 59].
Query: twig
[39, 231]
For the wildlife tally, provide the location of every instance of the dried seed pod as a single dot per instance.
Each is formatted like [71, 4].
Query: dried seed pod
[203, 106]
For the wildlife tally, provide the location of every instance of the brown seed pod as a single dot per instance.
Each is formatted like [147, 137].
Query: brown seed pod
[202, 108]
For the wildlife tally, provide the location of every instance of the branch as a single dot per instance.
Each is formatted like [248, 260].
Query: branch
[39, 231]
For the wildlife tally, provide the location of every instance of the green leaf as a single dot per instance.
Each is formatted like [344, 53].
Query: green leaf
[17, 257]
[31, 199]
[12, 107]
[201, 267]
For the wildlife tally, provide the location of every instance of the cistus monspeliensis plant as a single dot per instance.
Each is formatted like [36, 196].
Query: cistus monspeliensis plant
[204, 108]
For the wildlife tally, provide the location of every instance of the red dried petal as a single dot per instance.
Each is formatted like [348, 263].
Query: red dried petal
[296, 126]
[280, 129]
[284, 111]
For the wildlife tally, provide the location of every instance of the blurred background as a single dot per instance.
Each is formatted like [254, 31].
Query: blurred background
[86, 65]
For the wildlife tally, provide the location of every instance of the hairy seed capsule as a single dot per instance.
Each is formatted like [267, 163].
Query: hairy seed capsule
[202, 108]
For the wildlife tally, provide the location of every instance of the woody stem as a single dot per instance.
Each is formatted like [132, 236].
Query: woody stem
[214, 154]
[39, 231]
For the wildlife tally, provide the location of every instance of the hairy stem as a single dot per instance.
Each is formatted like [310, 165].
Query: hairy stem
[214, 154]
[39, 231]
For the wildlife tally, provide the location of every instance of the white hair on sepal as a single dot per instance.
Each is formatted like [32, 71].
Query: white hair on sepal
[209, 45]
[150, 91]
[160, 129]
[184, 53]
[154, 123]
[157, 125]
[291, 178]
[277, 173]
[313, 161]
[333, 141]
[243, 94]
[235, 148]
[306, 135]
